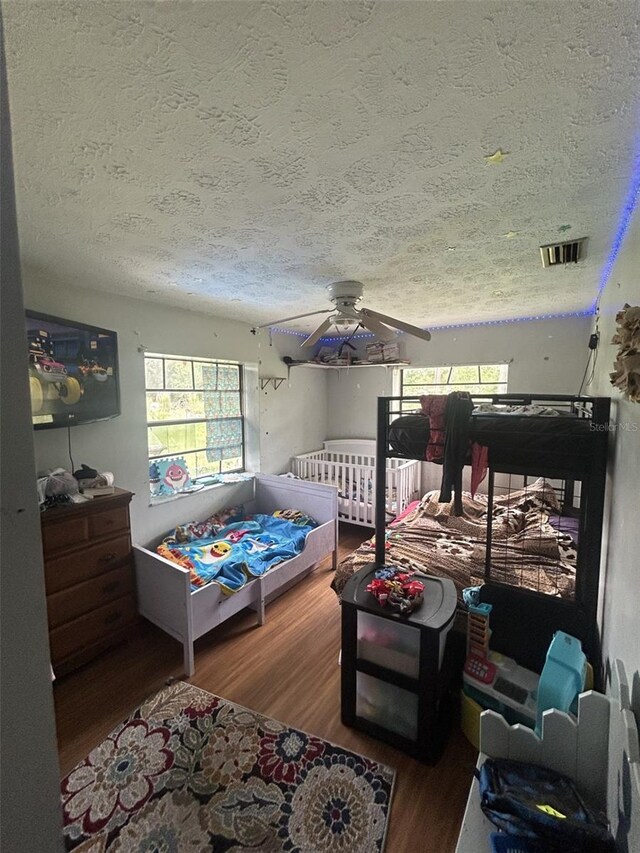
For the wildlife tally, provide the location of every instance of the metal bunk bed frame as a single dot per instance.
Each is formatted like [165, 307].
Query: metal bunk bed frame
[520, 613]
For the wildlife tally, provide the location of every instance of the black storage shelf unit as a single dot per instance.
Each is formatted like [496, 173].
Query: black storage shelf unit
[395, 675]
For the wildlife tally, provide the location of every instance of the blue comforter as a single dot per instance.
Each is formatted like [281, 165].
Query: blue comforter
[239, 551]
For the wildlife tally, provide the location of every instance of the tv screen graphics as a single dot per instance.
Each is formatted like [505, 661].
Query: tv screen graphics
[73, 372]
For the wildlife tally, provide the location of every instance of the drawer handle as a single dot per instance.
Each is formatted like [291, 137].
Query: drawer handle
[109, 587]
[113, 617]
[109, 558]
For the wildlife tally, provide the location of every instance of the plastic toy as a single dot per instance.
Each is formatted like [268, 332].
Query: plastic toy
[497, 682]
[478, 664]
[394, 588]
[169, 476]
[564, 675]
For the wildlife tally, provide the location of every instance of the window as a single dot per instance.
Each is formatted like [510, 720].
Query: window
[474, 378]
[194, 411]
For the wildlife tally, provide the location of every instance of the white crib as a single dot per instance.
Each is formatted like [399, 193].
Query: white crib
[350, 464]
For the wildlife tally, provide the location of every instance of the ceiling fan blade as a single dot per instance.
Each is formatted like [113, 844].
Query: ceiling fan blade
[397, 324]
[378, 329]
[314, 337]
[297, 317]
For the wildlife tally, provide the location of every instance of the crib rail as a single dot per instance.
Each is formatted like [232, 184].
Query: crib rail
[353, 472]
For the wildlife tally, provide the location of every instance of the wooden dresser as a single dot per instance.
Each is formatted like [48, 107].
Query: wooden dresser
[89, 578]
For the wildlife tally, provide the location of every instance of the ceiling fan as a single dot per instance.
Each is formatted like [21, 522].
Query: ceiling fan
[345, 295]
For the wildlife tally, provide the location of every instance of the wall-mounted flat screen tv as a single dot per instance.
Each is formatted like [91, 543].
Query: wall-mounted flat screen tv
[73, 372]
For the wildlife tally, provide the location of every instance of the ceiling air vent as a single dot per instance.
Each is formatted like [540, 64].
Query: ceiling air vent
[570, 252]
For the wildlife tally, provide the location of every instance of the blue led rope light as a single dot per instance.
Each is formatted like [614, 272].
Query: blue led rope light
[587, 313]
[627, 213]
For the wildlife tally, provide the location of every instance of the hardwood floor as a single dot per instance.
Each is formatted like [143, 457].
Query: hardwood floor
[287, 669]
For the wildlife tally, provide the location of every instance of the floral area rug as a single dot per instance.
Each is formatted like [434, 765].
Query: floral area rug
[190, 772]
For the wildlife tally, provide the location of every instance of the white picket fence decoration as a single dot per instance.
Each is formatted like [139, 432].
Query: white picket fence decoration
[600, 751]
[623, 794]
[575, 747]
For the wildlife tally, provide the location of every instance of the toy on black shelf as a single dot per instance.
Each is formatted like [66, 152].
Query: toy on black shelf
[477, 663]
[497, 682]
[395, 588]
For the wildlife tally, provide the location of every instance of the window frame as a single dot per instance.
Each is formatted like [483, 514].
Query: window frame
[438, 387]
[164, 357]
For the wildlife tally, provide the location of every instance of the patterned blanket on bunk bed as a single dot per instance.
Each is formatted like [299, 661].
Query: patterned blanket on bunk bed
[526, 550]
[230, 548]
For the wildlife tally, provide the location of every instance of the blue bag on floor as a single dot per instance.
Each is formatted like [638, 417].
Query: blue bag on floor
[542, 806]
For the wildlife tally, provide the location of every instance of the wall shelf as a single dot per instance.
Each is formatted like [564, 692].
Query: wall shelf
[348, 366]
[276, 381]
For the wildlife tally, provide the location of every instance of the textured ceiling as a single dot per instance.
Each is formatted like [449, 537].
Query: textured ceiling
[235, 157]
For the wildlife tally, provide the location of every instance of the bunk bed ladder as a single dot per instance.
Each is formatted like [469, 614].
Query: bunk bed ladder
[381, 463]
[487, 557]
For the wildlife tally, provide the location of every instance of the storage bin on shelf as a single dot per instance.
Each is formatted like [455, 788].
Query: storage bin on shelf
[395, 677]
[386, 705]
[389, 644]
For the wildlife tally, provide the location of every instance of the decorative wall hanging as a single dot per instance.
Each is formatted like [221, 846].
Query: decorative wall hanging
[169, 476]
[626, 375]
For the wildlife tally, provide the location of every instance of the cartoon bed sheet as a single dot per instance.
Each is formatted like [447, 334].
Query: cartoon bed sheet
[243, 549]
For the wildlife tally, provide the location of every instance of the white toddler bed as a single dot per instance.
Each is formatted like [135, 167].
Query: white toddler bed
[350, 464]
[164, 589]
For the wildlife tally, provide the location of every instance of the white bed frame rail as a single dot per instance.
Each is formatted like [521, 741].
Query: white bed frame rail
[164, 588]
[353, 461]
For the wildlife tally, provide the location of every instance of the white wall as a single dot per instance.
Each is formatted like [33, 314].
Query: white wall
[291, 419]
[620, 588]
[547, 356]
[307, 408]
[29, 772]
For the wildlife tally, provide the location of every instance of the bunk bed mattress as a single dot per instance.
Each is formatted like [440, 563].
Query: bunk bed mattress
[526, 549]
[512, 437]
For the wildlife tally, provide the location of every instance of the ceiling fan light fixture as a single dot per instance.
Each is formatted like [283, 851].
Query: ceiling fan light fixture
[345, 295]
[346, 292]
[344, 322]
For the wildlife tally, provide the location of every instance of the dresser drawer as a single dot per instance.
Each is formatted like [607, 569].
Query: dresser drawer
[72, 637]
[66, 533]
[76, 600]
[88, 562]
[109, 522]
